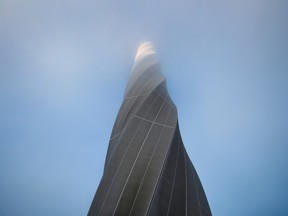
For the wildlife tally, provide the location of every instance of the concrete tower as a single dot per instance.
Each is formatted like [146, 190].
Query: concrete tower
[147, 169]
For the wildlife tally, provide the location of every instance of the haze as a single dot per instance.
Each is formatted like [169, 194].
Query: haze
[64, 66]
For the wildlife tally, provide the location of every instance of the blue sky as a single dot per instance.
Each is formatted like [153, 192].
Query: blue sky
[63, 70]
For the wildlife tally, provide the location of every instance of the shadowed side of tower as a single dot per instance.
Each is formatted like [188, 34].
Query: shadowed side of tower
[147, 170]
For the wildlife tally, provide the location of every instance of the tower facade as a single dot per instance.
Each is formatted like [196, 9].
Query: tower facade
[147, 169]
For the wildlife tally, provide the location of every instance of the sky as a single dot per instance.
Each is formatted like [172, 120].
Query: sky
[64, 66]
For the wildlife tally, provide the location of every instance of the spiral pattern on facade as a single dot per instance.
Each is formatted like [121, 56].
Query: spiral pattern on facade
[147, 169]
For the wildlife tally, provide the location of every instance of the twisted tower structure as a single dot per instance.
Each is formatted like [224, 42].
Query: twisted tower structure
[147, 169]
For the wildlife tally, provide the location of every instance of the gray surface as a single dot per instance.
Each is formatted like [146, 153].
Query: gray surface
[147, 169]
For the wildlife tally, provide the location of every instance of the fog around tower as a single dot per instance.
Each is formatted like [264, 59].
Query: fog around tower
[64, 66]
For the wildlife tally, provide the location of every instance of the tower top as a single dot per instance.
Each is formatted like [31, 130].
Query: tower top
[145, 49]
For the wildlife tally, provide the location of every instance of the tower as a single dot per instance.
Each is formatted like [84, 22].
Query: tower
[147, 170]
